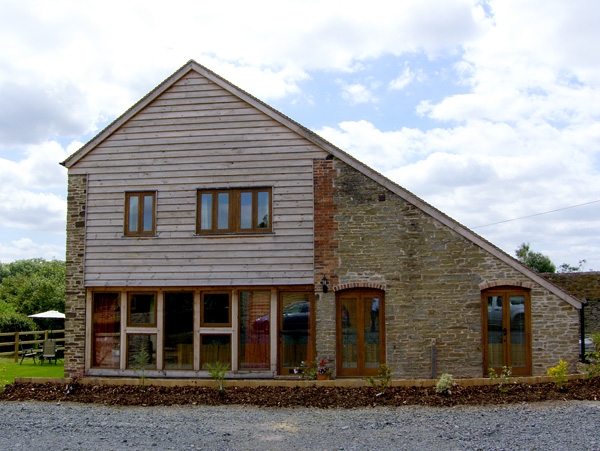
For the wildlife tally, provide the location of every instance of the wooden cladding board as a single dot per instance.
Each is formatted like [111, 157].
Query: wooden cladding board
[198, 135]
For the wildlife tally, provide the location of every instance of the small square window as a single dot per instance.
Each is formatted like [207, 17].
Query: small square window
[215, 310]
[142, 309]
[139, 213]
[213, 349]
[141, 351]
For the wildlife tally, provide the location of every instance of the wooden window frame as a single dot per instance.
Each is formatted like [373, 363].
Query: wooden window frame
[140, 195]
[129, 334]
[312, 344]
[234, 226]
[204, 324]
[136, 293]
[224, 334]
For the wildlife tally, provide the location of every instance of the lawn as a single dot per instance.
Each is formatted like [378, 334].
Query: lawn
[9, 369]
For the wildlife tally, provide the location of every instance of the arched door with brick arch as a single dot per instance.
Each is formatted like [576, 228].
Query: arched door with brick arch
[360, 331]
[506, 314]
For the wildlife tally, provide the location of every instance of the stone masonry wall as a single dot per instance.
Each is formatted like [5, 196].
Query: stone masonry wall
[75, 289]
[433, 279]
[582, 285]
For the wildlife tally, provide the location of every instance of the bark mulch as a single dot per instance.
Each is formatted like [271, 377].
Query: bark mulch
[314, 396]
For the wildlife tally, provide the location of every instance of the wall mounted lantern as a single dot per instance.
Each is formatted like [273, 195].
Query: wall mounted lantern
[324, 282]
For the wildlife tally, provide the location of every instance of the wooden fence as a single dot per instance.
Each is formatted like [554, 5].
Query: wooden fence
[17, 338]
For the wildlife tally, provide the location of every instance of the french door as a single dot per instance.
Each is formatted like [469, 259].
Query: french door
[507, 330]
[296, 330]
[360, 332]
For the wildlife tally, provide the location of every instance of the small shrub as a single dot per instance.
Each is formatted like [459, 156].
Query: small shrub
[559, 373]
[445, 383]
[503, 377]
[385, 376]
[14, 321]
[217, 372]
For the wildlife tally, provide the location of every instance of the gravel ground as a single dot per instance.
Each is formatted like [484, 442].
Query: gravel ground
[32, 425]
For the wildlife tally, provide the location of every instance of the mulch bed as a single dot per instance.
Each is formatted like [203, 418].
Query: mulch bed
[314, 396]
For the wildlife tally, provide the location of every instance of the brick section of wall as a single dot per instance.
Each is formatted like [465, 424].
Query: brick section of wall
[433, 280]
[75, 289]
[325, 227]
[582, 285]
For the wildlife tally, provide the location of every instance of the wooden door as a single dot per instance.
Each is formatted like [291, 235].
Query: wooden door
[360, 332]
[507, 330]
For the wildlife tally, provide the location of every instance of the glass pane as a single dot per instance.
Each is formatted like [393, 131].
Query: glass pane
[494, 331]
[295, 328]
[142, 309]
[106, 326]
[254, 330]
[179, 330]
[371, 325]
[215, 309]
[141, 351]
[246, 210]
[263, 210]
[223, 211]
[349, 312]
[148, 213]
[215, 349]
[206, 211]
[517, 331]
[133, 213]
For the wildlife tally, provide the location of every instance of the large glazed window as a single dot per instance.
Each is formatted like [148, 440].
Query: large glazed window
[142, 309]
[254, 347]
[106, 330]
[239, 210]
[506, 313]
[139, 213]
[296, 330]
[179, 331]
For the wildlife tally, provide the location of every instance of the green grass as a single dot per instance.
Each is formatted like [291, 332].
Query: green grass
[9, 369]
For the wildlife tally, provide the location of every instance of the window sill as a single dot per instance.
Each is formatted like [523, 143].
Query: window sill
[230, 234]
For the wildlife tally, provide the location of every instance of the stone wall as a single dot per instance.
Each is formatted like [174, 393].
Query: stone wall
[75, 289]
[582, 285]
[433, 279]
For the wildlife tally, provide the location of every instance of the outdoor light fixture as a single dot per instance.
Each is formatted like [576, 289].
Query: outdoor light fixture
[324, 284]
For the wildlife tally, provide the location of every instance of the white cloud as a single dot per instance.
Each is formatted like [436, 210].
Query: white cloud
[25, 248]
[405, 78]
[356, 93]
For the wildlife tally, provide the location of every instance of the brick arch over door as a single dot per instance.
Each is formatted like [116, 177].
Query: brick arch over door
[353, 285]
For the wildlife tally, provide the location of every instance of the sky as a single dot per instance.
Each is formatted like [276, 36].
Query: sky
[488, 110]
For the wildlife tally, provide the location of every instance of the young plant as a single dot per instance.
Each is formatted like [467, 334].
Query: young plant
[559, 374]
[309, 370]
[445, 384]
[141, 362]
[503, 377]
[76, 376]
[591, 366]
[385, 376]
[217, 372]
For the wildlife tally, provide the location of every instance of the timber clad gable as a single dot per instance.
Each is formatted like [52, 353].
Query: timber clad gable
[336, 262]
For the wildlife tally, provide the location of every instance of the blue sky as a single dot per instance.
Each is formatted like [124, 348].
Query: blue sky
[488, 110]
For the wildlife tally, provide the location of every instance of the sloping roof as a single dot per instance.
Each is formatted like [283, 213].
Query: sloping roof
[328, 147]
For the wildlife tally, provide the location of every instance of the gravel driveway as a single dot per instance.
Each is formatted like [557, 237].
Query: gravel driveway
[548, 426]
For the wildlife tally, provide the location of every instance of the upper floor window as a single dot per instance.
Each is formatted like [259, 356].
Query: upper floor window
[235, 210]
[139, 213]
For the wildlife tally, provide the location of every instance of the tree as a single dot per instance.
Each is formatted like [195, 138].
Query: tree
[32, 286]
[535, 260]
[565, 267]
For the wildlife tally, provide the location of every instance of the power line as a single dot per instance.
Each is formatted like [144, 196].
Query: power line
[537, 214]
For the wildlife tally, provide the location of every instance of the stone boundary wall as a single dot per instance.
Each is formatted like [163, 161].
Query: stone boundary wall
[75, 289]
[582, 285]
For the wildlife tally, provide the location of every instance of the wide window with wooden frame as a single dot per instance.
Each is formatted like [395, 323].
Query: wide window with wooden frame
[236, 210]
[506, 314]
[140, 213]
